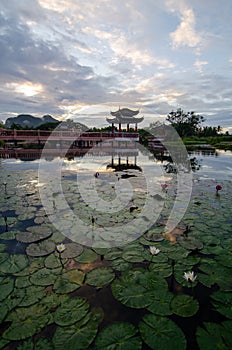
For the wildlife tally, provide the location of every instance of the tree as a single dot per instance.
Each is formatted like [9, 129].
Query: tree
[186, 124]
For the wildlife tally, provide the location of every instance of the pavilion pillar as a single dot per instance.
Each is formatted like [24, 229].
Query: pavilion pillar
[120, 127]
[112, 129]
[128, 127]
[136, 127]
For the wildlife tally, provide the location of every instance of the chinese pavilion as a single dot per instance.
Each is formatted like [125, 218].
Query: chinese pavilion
[124, 116]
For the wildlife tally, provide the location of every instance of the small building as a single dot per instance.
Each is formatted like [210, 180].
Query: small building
[124, 116]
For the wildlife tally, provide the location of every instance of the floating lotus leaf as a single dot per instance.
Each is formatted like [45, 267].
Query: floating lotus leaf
[88, 256]
[79, 308]
[184, 305]
[41, 344]
[162, 269]
[35, 265]
[32, 295]
[132, 295]
[100, 277]
[118, 336]
[44, 277]
[8, 236]
[52, 300]
[161, 333]
[2, 246]
[114, 254]
[161, 303]
[26, 322]
[39, 233]
[14, 299]
[71, 250]
[120, 265]
[40, 249]
[153, 237]
[3, 257]
[190, 243]
[222, 302]
[63, 286]
[57, 237]
[178, 254]
[78, 336]
[215, 336]
[215, 274]
[52, 261]
[75, 276]
[4, 312]
[14, 263]
[22, 282]
[225, 259]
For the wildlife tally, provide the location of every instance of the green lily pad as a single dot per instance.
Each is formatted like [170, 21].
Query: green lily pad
[78, 336]
[63, 285]
[215, 336]
[120, 264]
[34, 234]
[40, 249]
[100, 277]
[14, 299]
[184, 305]
[72, 250]
[222, 301]
[26, 322]
[87, 256]
[22, 282]
[161, 333]
[3, 257]
[161, 303]
[118, 336]
[14, 263]
[6, 287]
[32, 295]
[190, 243]
[79, 308]
[4, 312]
[43, 344]
[44, 277]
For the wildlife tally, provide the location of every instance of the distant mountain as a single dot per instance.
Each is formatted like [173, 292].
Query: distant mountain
[28, 121]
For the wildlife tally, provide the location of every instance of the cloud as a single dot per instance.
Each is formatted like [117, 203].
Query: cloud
[185, 34]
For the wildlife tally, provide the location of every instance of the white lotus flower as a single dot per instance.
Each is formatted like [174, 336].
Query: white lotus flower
[60, 247]
[154, 250]
[189, 276]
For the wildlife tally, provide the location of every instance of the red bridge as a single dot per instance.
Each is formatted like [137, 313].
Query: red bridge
[42, 136]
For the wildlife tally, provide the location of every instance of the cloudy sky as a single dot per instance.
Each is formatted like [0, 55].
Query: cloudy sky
[81, 59]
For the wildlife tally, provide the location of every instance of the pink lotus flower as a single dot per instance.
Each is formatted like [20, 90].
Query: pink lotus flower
[164, 186]
[218, 188]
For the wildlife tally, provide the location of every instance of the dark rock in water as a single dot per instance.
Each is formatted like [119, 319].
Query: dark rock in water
[158, 197]
[126, 176]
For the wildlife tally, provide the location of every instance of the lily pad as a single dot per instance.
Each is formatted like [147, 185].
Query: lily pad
[87, 256]
[32, 295]
[40, 249]
[215, 336]
[118, 336]
[190, 243]
[100, 277]
[26, 322]
[222, 301]
[63, 285]
[161, 303]
[14, 263]
[44, 277]
[6, 287]
[161, 333]
[72, 250]
[36, 233]
[78, 336]
[63, 316]
[184, 305]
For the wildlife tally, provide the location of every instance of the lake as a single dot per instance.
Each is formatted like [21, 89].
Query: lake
[94, 261]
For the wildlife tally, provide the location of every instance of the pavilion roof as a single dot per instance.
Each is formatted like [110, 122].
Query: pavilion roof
[124, 116]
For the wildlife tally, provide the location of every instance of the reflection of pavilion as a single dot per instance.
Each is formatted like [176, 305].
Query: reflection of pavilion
[124, 116]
